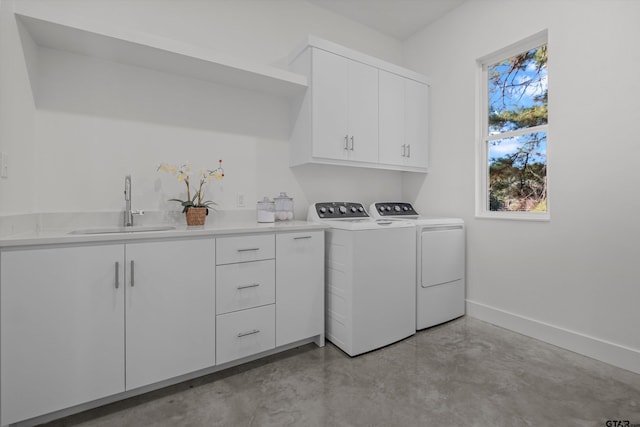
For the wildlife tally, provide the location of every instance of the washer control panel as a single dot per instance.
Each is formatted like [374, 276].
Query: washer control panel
[337, 210]
[395, 209]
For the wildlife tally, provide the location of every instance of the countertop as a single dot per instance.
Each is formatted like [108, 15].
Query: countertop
[60, 234]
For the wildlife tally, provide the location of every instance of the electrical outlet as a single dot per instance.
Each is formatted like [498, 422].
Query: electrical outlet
[240, 200]
[4, 165]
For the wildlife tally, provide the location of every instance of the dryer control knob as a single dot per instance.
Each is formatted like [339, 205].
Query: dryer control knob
[360, 209]
[343, 210]
[353, 209]
[331, 210]
[404, 208]
[323, 209]
[388, 208]
[396, 208]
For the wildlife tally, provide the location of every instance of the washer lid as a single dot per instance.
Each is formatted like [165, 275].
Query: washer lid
[367, 224]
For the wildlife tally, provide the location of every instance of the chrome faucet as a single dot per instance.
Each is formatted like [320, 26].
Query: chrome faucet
[128, 213]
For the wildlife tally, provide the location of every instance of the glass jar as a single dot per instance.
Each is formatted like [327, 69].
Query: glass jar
[284, 207]
[265, 210]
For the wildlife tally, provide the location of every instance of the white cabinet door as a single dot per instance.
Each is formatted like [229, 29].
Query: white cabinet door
[363, 112]
[62, 330]
[404, 116]
[170, 309]
[300, 286]
[345, 108]
[417, 123]
[392, 119]
[330, 105]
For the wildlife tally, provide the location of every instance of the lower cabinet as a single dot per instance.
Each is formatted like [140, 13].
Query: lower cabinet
[74, 318]
[81, 323]
[245, 332]
[170, 307]
[62, 328]
[246, 293]
[300, 296]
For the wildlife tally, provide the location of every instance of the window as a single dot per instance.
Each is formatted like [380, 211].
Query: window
[512, 149]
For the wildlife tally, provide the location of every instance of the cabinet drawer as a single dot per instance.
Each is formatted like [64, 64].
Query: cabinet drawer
[245, 285]
[244, 248]
[246, 332]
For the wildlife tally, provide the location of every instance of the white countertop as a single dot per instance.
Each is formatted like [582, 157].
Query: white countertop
[216, 226]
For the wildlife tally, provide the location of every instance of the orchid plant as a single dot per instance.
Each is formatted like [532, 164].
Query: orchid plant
[201, 176]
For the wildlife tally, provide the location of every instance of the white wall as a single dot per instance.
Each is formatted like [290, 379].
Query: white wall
[17, 115]
[573, 281]
[96, 121]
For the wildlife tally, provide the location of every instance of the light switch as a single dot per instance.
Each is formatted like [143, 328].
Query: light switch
[240, 200]
[4, 165]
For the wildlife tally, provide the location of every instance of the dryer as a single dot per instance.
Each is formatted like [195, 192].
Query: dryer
[440, 262]
[370, 268]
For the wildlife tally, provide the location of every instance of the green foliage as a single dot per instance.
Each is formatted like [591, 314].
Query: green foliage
[186, 204]
[514, 188]
[519, 99]
[519, 118]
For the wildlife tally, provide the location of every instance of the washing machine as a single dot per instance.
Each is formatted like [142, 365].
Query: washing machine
[370, 273]
[440, 260]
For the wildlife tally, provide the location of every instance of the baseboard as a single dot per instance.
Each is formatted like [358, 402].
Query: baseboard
[605, 351]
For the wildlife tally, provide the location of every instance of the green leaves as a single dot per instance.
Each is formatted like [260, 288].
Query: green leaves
[517, 132]
[186, 204]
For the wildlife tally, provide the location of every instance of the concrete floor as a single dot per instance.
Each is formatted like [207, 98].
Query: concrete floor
[463, 373]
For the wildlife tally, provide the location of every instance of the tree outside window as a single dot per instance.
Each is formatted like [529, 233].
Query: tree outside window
[515, 122]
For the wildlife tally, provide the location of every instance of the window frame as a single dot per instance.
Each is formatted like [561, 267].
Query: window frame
[482, 131]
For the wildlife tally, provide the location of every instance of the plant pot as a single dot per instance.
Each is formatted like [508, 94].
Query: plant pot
[196, 216]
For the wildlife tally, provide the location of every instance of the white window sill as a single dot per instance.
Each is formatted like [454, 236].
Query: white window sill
[517, 216]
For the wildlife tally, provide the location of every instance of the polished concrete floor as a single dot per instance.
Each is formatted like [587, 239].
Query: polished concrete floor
[463, 373]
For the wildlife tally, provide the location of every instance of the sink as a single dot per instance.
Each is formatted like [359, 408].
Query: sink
[122, 229]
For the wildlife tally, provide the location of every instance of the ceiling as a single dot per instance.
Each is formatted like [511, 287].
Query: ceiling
[397, 18]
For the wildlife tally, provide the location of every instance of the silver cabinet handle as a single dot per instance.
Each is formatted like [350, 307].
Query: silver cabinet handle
[244, 334]
[346, 142]
[408, 150]
[352, 142]
[117, 274]
[404, 150]
[252, 285]
[132, 275]
[301, 237]
[248, 249]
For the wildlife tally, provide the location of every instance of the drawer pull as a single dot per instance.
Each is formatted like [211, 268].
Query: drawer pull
[117, 274]
[252, 285]
[244, 334]
[248, 249]
[132, 273]
[301, 237]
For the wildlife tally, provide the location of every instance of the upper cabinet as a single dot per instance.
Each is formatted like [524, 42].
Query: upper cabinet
[359, 111]
[403, 121]
[139, 49]
[345, 102]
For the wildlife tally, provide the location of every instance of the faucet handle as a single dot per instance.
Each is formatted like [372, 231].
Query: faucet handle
[137, 212]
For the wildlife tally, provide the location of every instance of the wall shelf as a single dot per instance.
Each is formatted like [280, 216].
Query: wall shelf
[156, 53]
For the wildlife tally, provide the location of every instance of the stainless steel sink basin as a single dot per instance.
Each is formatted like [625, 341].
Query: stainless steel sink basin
[122, 229]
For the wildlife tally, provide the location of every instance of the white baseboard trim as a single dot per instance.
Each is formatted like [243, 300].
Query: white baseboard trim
[605, 351]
